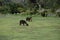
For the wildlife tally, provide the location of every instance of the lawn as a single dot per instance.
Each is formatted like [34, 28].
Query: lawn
[41, 28]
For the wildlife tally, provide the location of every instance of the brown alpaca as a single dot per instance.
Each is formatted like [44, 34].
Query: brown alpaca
[29, 19]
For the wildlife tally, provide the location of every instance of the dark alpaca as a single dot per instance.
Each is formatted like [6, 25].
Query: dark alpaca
[44, 14]
[32, 1]
[29, 19]
[23, 22]
[15, 11]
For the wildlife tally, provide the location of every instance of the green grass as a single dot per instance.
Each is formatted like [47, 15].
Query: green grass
[47, 28]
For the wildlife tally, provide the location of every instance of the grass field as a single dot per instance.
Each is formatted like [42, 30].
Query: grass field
[47, 28]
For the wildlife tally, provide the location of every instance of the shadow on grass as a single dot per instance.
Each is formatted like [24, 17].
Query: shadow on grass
[4, 37]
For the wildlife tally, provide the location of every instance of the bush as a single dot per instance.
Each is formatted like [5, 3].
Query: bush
[4, 9]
